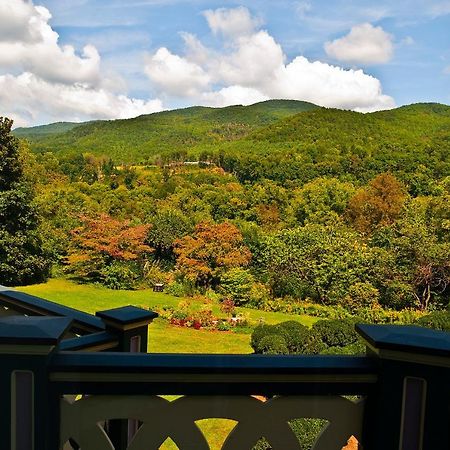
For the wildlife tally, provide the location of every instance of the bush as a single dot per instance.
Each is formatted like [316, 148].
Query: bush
[273, 344]
[153, 273]
[237, 284]
[228, 307]
[361, 295]
[314, 344]
[223, 326]
[438, 320]
[260, 332]
[357, 348]
[179, 289]
[336, 333]
[398, 295]
[120, 275]
[295, 335]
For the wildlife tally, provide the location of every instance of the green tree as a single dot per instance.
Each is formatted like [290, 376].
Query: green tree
[168, 225]
[322, 200]
[326, 261]
[22, 259]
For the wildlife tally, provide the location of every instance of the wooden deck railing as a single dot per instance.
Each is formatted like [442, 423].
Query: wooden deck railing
[70, 380]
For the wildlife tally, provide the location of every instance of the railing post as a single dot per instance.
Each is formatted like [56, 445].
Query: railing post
[130, 325]
[29, 410]
[409, 408]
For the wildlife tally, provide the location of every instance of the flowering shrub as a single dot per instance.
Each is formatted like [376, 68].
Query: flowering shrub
[228, 307]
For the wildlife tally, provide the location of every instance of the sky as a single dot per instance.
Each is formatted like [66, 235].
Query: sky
[77, 60]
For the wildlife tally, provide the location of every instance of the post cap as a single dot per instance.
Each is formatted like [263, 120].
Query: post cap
[31, 332]
[126, 317]
[407, 339]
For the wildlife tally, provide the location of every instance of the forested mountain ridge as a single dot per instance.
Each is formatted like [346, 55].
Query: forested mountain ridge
[139, 139]
[40, 131]
[412, 141]
[275, 129]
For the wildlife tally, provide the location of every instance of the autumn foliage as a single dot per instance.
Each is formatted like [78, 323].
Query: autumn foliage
[210, 251]
[377, 205]
[100, 241]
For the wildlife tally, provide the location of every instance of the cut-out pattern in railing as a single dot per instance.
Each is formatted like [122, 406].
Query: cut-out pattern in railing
[82, 420]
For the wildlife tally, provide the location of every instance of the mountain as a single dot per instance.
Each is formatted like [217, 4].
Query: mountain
[38, 132]
[412, 140]
[136, 140]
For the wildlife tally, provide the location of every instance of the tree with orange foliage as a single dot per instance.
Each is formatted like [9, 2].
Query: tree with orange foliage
[100, 242]
[377, 205]
[213, 249]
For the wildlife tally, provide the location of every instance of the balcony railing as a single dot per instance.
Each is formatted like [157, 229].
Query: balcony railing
[70, 380]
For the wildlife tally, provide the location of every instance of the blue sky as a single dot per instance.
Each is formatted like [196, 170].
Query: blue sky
[111, 58]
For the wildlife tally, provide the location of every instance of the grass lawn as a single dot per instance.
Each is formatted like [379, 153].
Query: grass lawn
[163, 338]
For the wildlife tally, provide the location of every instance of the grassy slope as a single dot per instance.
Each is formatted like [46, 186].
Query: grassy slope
[133, 140]
[163, 338]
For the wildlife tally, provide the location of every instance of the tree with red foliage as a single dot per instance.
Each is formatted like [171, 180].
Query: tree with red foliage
[101, 241]
[213, 249]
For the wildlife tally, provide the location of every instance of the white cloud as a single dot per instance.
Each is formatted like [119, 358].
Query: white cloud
[364, 44]
[251, 67]
[29, 99]
[28, 43]
[231, 22]
[233, 95]
[40, 80]
[447, 70]
[175, 75]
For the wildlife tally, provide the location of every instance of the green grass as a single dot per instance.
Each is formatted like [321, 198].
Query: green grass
[163, 338]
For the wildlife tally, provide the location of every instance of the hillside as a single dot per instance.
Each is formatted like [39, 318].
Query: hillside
[42, 131]
[136, 140]
[279, 139]
[411, 141]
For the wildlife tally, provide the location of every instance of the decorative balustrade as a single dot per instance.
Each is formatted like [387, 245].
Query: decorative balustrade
[69, 380]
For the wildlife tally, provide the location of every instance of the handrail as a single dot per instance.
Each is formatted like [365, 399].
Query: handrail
[29, 304]
[124, 373]
[100, 341]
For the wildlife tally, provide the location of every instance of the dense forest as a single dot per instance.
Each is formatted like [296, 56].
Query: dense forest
[280, 206]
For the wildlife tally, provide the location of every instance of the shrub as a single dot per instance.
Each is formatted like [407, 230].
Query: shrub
[258, 294]
[228, 307]
[179, 289]
[398, 295]
[357, 348]
[438, 320]
[237, 284]
[204, 318]
[314, 344]
[361, 295]
[336, 333]
[120, 275]
[273, 344]
[295, 335]
[153, 273]
[260, 332]
[223, 326]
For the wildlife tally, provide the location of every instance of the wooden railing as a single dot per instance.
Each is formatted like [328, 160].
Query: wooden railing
[70, 380]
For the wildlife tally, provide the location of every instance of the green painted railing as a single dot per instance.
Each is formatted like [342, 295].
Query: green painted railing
[70, 380]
